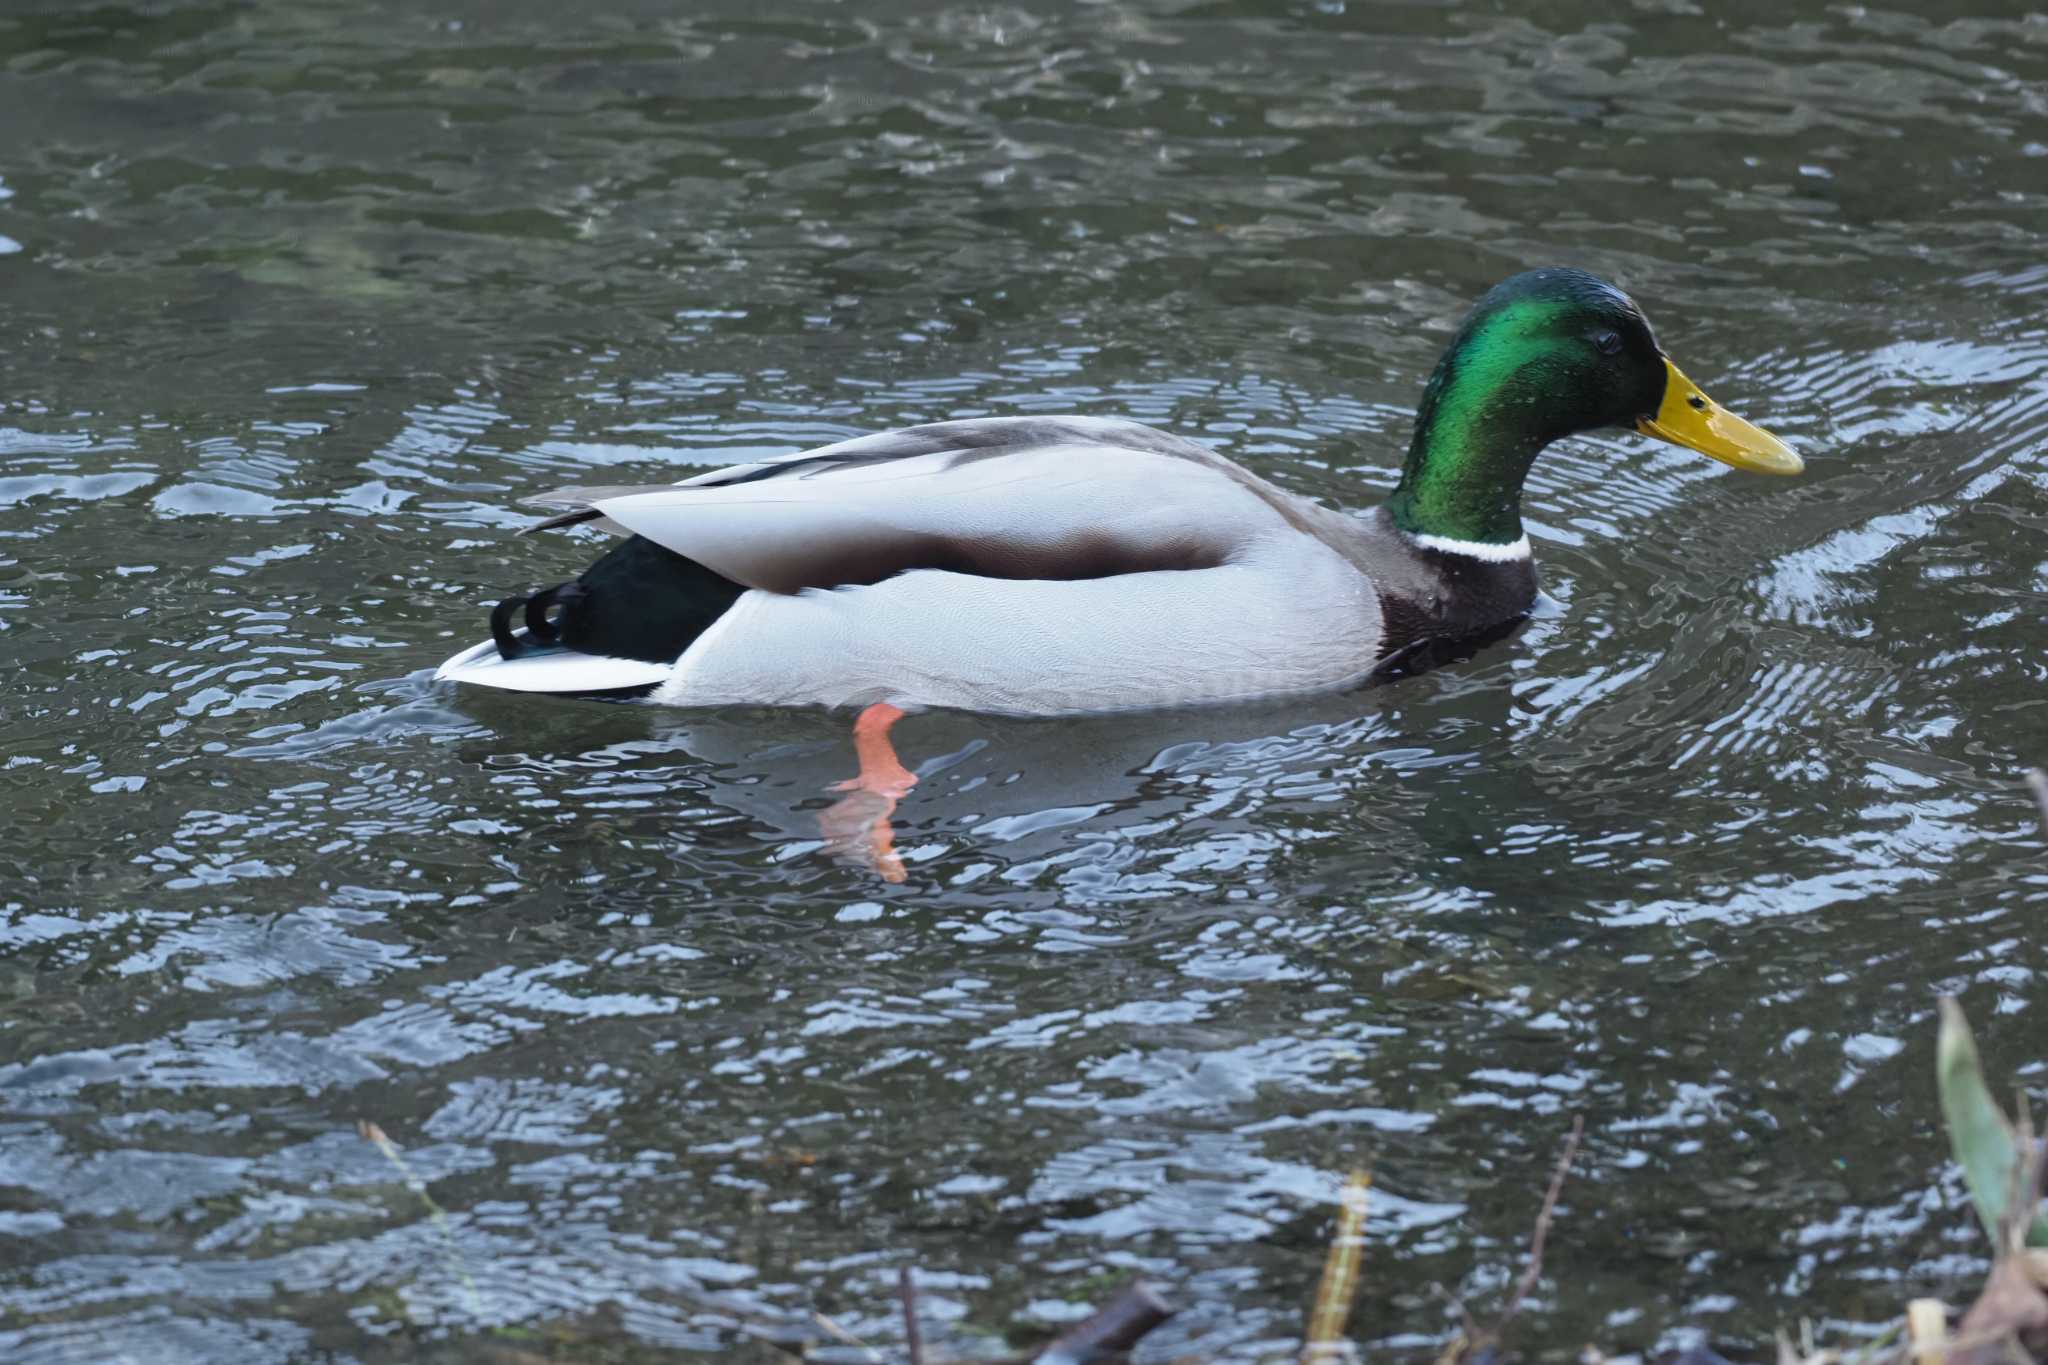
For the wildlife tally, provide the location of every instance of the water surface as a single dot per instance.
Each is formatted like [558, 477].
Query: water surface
[299, 300]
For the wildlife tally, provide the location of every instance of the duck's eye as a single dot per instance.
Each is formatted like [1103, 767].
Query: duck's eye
[1608, 342]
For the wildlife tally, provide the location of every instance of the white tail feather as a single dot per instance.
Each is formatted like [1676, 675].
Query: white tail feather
[558, 670]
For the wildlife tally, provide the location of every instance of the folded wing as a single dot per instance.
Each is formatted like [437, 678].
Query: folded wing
[1028, 498]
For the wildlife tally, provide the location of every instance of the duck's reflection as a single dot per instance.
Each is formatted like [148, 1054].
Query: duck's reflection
[926, 783]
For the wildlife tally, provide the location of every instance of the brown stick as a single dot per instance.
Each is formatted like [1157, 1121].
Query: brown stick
[2038, 782]
[913, 1337]
[1116, 1326]
[1536, 1240]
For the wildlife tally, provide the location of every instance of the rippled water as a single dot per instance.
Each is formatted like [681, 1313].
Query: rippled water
[299, 300]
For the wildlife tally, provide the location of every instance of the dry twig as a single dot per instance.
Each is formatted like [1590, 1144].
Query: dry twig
[913, 1336]
[2029, 1182]
[835, 1330]
[371, 1133]
[1473, 1344]
[1468, 1330]
[1114, 1327]
[1534, 1272]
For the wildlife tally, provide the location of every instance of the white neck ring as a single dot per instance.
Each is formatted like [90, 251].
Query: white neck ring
[1474, 549]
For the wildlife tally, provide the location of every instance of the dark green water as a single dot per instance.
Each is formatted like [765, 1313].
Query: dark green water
[300, 299]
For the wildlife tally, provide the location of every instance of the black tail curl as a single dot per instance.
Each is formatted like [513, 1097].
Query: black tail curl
[640, 601]
[540, 630]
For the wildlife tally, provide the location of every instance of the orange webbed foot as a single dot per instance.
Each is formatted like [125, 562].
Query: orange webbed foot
[856, 827]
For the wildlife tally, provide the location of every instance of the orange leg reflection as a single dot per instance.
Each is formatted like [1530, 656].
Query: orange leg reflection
[856, 826]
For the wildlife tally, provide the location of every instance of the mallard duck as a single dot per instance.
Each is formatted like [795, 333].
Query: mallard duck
[1059, 565]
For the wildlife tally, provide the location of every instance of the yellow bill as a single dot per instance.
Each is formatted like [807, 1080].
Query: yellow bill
[1689, 418]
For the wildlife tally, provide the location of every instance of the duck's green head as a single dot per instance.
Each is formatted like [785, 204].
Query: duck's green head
[1545, 354]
